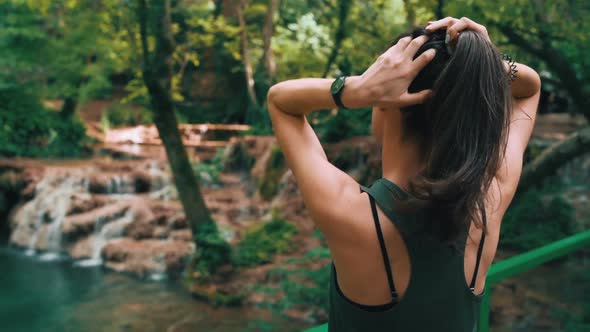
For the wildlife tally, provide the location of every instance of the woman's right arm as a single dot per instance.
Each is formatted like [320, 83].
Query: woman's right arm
[526, 90]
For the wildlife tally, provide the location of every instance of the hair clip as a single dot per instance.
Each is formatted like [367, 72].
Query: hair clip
[512, 67]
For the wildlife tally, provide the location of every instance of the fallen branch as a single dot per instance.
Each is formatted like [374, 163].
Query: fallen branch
[555, 156]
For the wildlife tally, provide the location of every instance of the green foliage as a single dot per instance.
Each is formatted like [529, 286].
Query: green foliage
[29, 130]
[260, 244]
[123, 115]
[576, 315]
[268, 185]
[340, 125]
[303, 47]
[537, 218]
[212, 251]
[67, 49]
[235, 157]
[303, 286]
[217, 297]
[208, 172]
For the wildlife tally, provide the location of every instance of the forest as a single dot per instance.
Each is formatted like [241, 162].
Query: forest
[135, 138]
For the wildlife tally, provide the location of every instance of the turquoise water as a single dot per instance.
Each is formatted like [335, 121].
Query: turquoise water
[58, 296]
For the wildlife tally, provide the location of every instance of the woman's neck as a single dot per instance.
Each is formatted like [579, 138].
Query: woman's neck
[401, 156]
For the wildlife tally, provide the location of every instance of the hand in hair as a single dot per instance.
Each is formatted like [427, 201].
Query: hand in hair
[526, 83]
[454, 27]
[385, 84]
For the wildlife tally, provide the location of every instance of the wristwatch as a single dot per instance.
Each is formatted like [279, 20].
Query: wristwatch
[336, 91]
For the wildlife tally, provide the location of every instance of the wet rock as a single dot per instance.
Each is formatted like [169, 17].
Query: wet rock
[99, 183]
[142, 181]
[111, 183]
[178, 221]
[182, 235]
[236, 156]
[140, 231]
[242, 153]
[84, 202]
[160, 232]
[144, 222]
[268, 170]
[83, 248]
[147, 256]
[165, 214]
[28, 182]
[42, 241]
[82, 224]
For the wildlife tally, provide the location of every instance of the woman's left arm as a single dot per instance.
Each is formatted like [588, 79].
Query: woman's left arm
[325, 188]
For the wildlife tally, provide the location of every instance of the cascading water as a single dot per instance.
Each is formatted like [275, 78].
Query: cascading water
[160, 182]
[65, 211]
[103, 232]
[43, 216]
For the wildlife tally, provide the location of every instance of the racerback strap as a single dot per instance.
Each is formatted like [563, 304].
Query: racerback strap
[394, 295]
[479, 252]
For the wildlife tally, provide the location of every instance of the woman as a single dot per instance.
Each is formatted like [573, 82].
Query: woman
[412, 251]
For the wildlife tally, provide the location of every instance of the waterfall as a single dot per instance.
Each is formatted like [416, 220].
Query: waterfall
[160, 183]
[104, 231]
[77, 211]
[43, 216]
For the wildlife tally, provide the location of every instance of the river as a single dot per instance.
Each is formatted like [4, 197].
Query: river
[38, 295]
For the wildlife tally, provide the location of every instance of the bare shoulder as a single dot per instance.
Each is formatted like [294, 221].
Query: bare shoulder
[344, 220]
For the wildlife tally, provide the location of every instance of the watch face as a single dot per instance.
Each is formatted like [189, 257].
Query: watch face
[337, 85]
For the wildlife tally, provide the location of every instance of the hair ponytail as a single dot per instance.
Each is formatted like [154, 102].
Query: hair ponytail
[462, 130]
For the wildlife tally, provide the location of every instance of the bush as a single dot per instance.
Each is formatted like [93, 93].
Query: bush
[121, 115]
[342, 125]
[212, 251]
[301, 285]
[29, 130]
[310, 287]
[536, 219]
[260, 244]
[207, 172]
[268, 185]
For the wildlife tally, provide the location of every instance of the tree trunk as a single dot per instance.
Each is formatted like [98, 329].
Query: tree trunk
[157, 74]
[343, 11]
[556, 62]
[410, 13]
[267, 32]
[248, 72]
[69, 107]
[440, 6]
[218, 8]
[555, 156]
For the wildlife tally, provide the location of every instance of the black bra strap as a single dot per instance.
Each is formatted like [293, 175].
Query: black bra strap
[479, 253]
[394, 295]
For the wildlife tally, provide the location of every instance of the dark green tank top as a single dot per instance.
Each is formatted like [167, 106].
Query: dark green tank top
[437, 297]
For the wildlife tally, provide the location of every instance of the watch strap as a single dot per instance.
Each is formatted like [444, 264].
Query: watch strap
[337, 88]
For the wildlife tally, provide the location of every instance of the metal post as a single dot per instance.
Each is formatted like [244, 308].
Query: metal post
[484, 311]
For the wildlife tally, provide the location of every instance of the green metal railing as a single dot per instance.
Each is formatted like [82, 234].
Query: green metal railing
[514, 266]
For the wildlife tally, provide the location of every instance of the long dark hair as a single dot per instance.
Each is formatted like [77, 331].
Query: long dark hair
[462, 130]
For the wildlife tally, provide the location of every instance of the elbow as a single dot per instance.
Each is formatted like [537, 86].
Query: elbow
[536, 81]
[272, 95]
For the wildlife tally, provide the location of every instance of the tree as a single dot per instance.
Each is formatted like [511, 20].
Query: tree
[155, 22]
[268, 61]
[553, 35]
[340, 35]
[245, 52]
[552, 158]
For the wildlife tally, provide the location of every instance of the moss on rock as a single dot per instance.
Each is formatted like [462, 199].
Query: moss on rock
[260, 244]
[268, 184]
